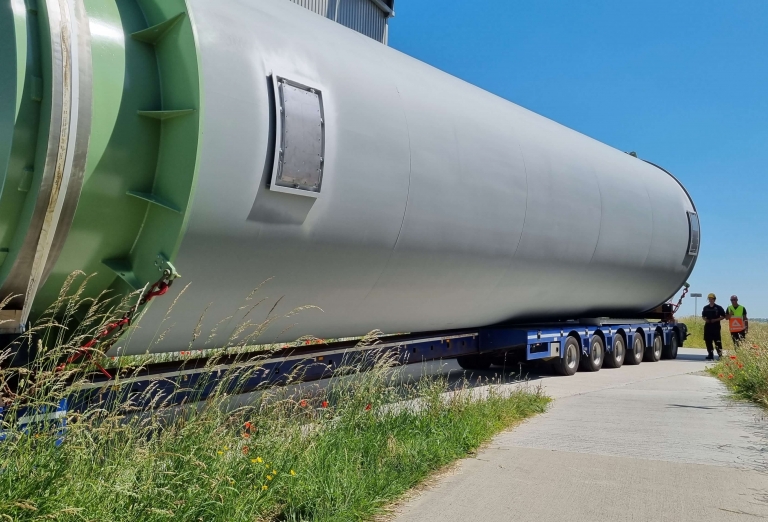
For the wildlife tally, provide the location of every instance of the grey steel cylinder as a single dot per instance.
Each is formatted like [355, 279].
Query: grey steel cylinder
[394, 196]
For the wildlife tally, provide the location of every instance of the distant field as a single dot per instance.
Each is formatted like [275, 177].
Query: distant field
[696, 332]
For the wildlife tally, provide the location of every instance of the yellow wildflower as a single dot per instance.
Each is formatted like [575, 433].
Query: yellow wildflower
[220, 452]
[293, 473]
[259, 460]
[274, 472]
[264, 487]
[254, 460]
[269, 477]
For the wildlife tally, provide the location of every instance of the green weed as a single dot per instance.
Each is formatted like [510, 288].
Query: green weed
[744, 368]
[342, 452]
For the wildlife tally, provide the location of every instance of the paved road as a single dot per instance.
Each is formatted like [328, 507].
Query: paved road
[643, 443]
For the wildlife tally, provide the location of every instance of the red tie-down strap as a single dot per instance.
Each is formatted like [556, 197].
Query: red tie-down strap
[158, 288]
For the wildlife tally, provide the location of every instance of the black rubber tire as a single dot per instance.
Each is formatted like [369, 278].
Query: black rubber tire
[474, 362]
[569, 362]
[670, 350]
[615, 358]
[594, 359]
[635, 355]
[653, 352]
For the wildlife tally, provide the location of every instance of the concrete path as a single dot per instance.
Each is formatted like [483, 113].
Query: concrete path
[642, 443]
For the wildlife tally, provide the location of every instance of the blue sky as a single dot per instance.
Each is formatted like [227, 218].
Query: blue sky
[684, 83]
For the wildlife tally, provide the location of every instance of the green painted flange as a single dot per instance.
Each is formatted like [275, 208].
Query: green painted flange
[142, 155]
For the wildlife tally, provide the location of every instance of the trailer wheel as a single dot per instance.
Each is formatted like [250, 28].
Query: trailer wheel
[635, 355]
[594, 359]
[670, 350]
[569, 362]
[653, 352]
[615, 358]
[474, 362]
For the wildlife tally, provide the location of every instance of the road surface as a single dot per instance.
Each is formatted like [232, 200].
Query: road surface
[654, 442]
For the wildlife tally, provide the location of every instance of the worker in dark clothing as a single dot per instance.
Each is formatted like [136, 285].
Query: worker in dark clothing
[712, 314]
[738, 323]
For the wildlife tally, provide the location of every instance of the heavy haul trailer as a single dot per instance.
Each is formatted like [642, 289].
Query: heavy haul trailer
[565, 346]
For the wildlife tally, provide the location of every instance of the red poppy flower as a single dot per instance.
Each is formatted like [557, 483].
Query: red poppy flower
[303, 403]
[730, 376]
[246, 435]
[367, 407]
[245, 450]
[733, 357]
[248, 426]
[720, 375]
[325, 404]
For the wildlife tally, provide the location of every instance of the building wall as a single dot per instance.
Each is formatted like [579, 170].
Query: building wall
[318, 6]
[368, 17]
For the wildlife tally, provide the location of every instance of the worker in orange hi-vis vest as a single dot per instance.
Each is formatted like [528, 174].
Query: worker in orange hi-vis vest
[737, 320]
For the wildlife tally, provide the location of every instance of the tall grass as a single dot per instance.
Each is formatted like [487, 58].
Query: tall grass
[744, 368]
[696, 332]
[341, 452]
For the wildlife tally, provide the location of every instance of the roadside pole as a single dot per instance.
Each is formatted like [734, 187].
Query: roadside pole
[695, 305]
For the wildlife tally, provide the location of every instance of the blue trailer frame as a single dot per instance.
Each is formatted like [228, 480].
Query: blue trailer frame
[182, 385]
[545, 341]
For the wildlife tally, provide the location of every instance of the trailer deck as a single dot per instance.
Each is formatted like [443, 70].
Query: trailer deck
[192, 380]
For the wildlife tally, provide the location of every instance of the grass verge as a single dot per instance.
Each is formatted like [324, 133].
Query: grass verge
[696, 332]
[342, 453]
[744, 368]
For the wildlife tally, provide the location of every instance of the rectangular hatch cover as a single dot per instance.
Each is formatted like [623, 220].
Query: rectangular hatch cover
[300, 145]
[693, 234]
